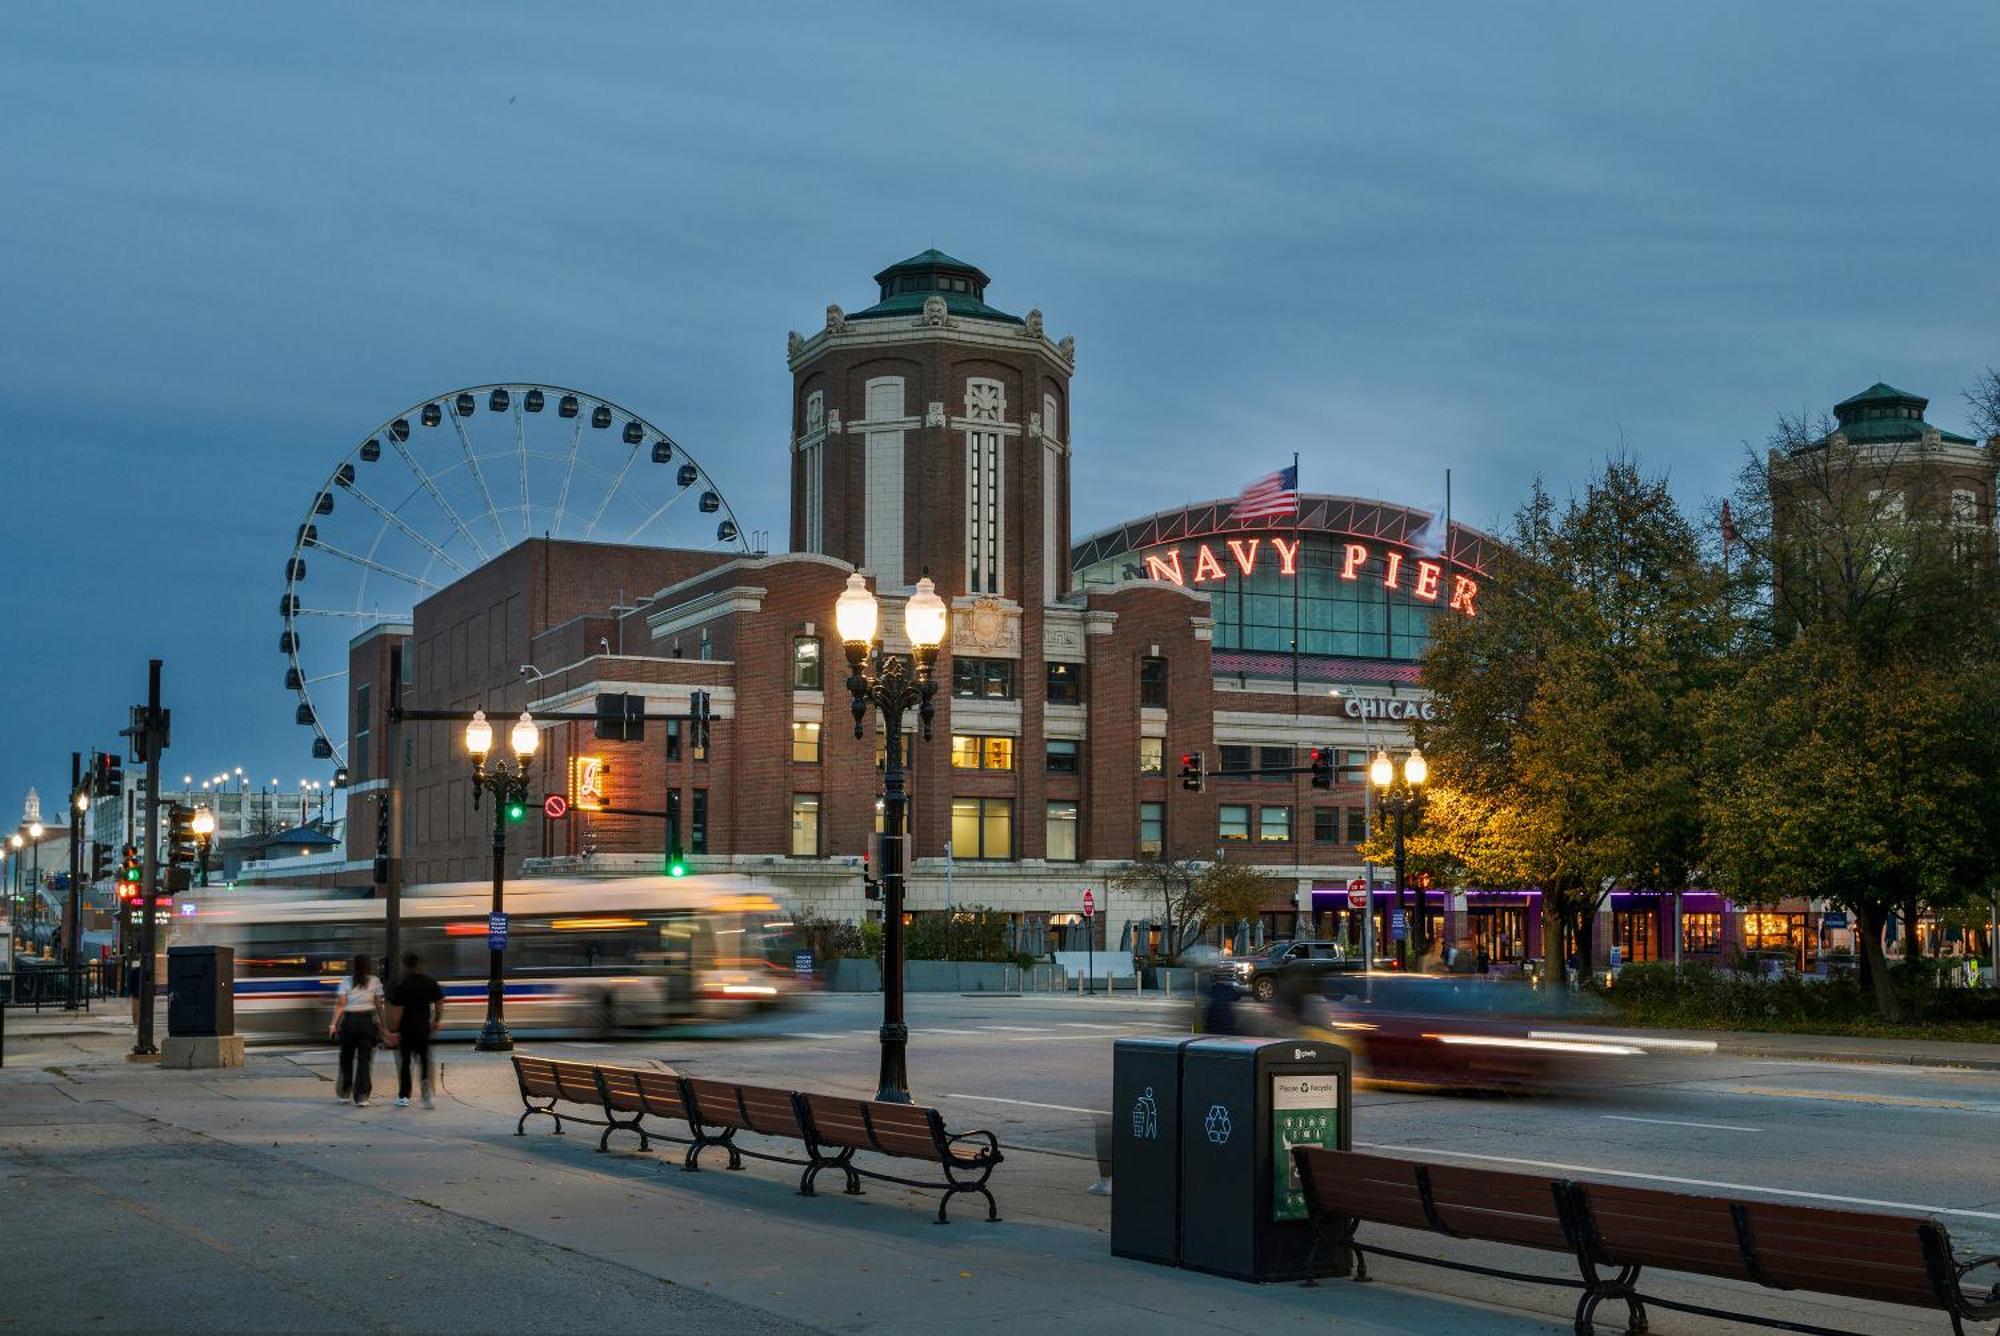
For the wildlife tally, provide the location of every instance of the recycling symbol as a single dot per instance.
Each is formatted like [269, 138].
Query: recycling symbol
[1217, 1124]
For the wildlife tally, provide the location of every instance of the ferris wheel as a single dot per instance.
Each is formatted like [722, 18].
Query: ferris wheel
[437, 490]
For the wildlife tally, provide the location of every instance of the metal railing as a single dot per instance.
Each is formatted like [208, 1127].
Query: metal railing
[39, 986]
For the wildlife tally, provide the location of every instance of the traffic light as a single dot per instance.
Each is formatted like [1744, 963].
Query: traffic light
[621, 717]
[700, 713]
[100, 862]
[517, 809]
[1322, 767]
[871, 885]
[107, 775]
[130, 873]
[183, 841]
[1194, 772]
[676, 864]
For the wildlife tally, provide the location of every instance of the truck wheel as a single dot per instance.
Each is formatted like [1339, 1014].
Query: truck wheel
[1264, 989]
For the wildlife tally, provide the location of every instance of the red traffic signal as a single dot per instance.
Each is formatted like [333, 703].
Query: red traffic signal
[1194, 772]
[1322, 767]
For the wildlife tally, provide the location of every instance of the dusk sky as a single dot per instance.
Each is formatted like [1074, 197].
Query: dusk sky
[1501, 240]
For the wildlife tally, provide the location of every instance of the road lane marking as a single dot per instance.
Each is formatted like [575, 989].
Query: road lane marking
[813, 1034]
[1011, 1029]
[1100, 1025]
[1675, 1122]
[1031, 1104]
[1683, 1182]
[1862, 1097]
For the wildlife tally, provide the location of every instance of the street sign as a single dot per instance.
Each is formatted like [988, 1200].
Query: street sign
[555, 806]
[1089, 904]
[1834, 919]
[802, 964]
[496, 932]
[1398, 928]
[1617, 957]
[1357, 894]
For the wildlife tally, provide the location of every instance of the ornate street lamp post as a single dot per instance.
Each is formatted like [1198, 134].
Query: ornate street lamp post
[1398, 798]
[510, 797]
[891, 684]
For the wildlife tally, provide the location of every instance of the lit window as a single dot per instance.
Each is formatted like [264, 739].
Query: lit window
[805, 744]
[972, 752]
[1274, 824]
[1152, 756]
[805, 825]
[1232, 821]
[982, 828]
[1062, 825]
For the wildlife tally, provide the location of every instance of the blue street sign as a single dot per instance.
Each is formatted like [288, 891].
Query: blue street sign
[1398, 928]
[1834, 919]
[802, 963]
[496, 932]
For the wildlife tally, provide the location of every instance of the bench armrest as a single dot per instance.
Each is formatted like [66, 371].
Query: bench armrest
[991, 1149]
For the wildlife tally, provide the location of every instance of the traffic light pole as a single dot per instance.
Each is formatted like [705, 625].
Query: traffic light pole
[150, 855]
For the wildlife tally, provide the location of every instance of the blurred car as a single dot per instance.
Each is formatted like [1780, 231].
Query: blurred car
[1288, 972]
[1465, 1033]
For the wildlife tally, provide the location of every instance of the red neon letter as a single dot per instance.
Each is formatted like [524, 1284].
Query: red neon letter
[1156, 569]
[1462, 590]
[1357, 557]
[1393, 561]
[1288, 557]
[1427, 580]
[1245, 557]
[1205, 565]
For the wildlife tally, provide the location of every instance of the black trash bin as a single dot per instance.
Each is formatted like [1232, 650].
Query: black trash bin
[1146, 1149]
[1244, 1103]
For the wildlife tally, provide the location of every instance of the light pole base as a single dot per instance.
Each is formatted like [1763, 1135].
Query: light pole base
[494, 1038]
[895, 1079]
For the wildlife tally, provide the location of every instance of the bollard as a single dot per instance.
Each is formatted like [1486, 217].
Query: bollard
[1139, 981]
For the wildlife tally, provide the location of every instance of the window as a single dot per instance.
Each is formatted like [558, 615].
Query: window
[1357, 825]
[1353, 768]
[364, 725]
[1152, 756]
[1232, 821]
[673, 739]
[1065, 684]
[1062, 832]
[1236, 762]
[1153, 683]
[1152, 829]
[1064, 758]
[1701, 932]
[1772, 932]
[805, 664]
[1274, 758]
[698, 827]
[1326, 825]
[991, 679]
[805, 744]
[805, 825]
[1274, 824]
[970, 752]
[985, 480]
[982, 828]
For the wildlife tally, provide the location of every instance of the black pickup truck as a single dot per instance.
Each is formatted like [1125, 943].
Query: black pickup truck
[1288, 971]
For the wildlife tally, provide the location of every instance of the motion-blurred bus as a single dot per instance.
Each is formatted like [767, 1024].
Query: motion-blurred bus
[596, 957]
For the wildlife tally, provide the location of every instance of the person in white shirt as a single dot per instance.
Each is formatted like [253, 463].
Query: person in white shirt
[358, 1020]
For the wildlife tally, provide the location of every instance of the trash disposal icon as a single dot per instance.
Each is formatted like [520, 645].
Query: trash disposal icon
[1146, 1117]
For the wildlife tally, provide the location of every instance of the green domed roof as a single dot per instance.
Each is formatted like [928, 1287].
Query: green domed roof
[1883, 413]
[908, 284]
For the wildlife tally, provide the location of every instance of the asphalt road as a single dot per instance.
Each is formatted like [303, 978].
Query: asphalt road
[1037, 1071]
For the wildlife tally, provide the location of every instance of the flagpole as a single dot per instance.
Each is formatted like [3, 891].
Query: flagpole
[1298, 574]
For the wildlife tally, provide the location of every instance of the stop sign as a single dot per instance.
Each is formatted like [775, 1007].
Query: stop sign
[1089, 904]
[1357, 894]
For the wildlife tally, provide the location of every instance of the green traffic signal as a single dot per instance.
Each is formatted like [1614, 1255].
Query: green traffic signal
[516, 811]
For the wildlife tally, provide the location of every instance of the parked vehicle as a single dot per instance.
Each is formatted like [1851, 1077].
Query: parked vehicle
[1287, 972]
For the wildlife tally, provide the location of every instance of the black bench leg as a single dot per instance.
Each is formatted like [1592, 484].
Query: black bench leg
[1623, 1286]
[531, 1110]
[703, 1141]
[604, 1142]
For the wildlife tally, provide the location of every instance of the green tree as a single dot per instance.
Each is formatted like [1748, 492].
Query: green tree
[1567, 732]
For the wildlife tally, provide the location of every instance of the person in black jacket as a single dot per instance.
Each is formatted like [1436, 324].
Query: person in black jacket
[421, 1005]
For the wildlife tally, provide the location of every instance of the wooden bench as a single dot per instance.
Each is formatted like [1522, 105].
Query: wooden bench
[844, 1125]
[831, 1129]
[1606, 1227]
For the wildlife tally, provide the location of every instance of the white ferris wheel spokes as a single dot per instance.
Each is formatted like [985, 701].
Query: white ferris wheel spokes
[438, 490]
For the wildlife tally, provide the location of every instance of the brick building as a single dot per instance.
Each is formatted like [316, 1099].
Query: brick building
[931, 434]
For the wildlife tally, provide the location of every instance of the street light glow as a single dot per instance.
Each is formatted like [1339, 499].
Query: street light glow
[855, 613]
[35, 830]
[1382, 770]
[525, 737]
[479, 736]
[1415, 768]
[923, 616]
[203, 822]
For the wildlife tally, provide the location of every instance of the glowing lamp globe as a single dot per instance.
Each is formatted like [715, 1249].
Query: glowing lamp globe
[855, 612]
[924, 616]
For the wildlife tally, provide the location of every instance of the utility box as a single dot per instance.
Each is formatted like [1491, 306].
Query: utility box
[1244, 1103]
[201, 990]
[1146, 1149]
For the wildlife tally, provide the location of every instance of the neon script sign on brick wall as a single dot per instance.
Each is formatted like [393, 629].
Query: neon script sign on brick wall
[1420, 577]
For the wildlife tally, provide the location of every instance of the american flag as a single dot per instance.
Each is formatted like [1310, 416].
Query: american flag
[1273, 496]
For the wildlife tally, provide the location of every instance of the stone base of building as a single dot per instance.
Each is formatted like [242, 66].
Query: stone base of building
[184, 1052]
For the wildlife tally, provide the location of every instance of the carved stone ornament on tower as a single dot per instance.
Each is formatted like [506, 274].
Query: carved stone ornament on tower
[935, 315]
[836, 320]
[1067, 347]
[1034, 426]
[934, 414]
[1034, 324]
[985, 401]
[815, 412]
[987, 627]
[794, 341]
[833, 422]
